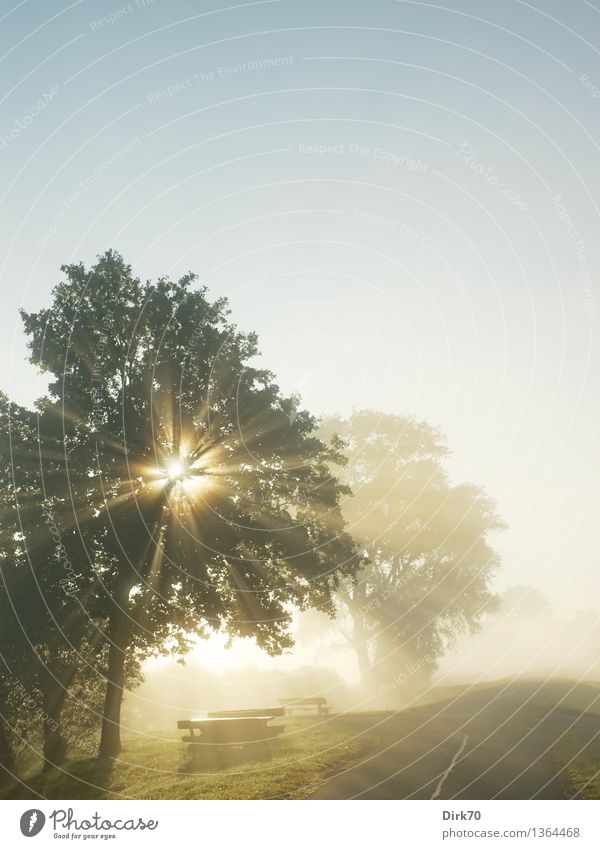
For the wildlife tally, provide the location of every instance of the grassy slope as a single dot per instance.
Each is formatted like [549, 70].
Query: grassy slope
[159, 767]
[583, 772]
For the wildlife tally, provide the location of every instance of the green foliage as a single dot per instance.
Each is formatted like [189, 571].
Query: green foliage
[427, 543]
[140, 374]
[139, 369]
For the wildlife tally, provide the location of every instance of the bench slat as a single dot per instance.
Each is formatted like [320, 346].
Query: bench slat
[203, 722]
[241, 714]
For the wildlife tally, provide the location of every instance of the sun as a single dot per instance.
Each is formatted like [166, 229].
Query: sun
[175, 468]
[184, 476]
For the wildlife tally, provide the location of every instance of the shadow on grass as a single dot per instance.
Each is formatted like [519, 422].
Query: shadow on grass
[202, 758]
[85, 779]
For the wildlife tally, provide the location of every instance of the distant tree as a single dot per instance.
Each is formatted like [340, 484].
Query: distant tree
[523, 602]
[430, 560]
[208, 497]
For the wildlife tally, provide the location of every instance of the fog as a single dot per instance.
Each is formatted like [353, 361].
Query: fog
[527, 637]
[522, 637]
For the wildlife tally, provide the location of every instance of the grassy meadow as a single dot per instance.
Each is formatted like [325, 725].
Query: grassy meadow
[554, 726]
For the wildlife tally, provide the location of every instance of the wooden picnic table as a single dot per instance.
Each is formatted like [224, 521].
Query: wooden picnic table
[318, 703]
[232, 728]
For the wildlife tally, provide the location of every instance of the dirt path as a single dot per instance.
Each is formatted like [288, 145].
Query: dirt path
[484, 745]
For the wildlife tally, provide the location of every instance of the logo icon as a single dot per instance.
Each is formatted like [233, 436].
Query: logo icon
[32, 822]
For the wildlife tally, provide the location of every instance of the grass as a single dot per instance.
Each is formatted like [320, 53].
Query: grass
[583, 776]
[579, 752]
[159, 766]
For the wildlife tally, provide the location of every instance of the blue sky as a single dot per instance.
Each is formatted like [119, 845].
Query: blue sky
[402, 198]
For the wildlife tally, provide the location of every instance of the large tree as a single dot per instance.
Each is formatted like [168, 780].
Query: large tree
[202, 498]
[430, 559]
[46, 635]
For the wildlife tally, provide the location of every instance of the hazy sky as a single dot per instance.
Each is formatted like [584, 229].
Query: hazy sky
[400, 197]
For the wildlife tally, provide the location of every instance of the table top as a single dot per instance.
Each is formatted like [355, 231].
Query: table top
[230, 719]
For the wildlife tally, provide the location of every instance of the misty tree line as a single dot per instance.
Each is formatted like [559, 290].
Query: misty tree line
[427, 559]
[106, 560]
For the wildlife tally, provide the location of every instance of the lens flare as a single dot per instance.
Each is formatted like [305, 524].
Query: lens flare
[175, 468]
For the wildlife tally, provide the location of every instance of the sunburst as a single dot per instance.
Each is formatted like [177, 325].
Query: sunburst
[184, 478]
[176, 468]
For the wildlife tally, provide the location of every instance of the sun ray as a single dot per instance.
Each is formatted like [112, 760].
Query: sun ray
[156, 562]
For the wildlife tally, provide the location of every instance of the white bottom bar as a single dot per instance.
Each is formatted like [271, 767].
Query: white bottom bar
[303, 824]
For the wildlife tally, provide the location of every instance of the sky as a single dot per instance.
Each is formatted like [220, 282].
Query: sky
[401, 198]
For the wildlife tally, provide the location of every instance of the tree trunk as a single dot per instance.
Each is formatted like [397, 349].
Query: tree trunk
[55, 746]
[7, 757]
[57, 682]
[361, 648]
[119, 633]
[357, 606]
[110, 741]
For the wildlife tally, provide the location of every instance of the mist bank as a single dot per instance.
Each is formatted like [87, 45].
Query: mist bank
[523, 638]
[527, 637]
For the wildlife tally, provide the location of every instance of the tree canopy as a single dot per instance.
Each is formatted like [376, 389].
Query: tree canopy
[198, 497]
[430, 559]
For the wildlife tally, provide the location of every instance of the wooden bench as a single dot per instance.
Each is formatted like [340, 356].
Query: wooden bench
[317, 703]
[233, 728]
